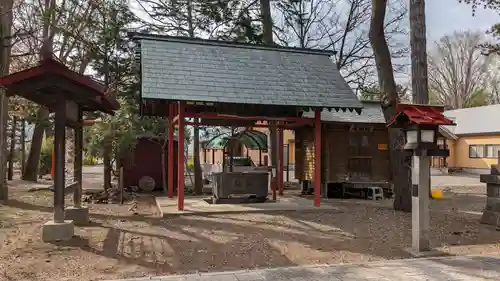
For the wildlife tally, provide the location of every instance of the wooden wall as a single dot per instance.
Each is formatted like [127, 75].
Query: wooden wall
[349, 153]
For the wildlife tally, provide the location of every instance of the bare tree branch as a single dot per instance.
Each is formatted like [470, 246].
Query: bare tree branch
[458, 69]
[343, 27]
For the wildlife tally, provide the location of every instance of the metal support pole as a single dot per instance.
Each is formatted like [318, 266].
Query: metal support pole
[180, 160]
[420, 203]
[280, 161]
[78, 161]
[170, 152]
[317, 157]
[59, 158]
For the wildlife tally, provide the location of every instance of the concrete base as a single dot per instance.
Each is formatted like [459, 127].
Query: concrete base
[425, 254]
[198, 206]
[79, 216]
[490, 218]
[53, 231]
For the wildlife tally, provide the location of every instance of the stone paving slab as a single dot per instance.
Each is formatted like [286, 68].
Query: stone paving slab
[456, 181]
[197, 205]
[470, 268]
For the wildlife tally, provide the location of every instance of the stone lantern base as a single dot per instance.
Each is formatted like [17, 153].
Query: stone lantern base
[491, 213]
[490, 218]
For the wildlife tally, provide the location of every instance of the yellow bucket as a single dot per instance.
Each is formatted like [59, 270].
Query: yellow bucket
[437, 194]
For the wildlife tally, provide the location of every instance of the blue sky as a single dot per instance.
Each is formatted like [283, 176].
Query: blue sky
[445, 16]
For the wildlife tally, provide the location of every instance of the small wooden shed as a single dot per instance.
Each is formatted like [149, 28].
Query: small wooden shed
[146, 160]
[354, 148]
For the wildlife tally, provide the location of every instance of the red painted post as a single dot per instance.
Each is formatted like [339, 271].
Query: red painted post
[180, 159]
[317, 157]
[280, 161]
[170, 151]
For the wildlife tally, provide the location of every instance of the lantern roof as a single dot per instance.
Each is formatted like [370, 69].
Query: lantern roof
[51, 80]
[419, 114]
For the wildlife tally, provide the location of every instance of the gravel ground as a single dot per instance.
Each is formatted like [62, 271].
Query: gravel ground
[120, 244]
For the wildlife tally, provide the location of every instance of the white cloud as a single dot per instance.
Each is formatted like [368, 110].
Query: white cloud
[445, 16]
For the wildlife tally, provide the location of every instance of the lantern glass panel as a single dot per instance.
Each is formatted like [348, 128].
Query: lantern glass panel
[427, 135]
[411, 136]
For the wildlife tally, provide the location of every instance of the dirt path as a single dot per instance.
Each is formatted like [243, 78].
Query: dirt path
[119, 244]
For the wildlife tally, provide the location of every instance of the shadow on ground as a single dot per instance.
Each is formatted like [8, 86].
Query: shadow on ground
[230, 242]
[358, 232]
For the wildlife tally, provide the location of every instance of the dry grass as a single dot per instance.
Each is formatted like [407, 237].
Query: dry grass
[119, 244]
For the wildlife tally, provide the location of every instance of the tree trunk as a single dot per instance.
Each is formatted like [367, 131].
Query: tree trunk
[418, 43]
[31, 170]
[49, 131]
[12, 150]
[419, 81]
[107, 151]
[267, 38]
[198, 180]
[5, 33]
[400, 165]
[69, 163]
[267, 22]
[23, 145]
[164, 185]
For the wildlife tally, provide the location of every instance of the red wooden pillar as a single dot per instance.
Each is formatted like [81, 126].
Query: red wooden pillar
[280, 161]
[180, 159]
[317, 157]
[170, 150]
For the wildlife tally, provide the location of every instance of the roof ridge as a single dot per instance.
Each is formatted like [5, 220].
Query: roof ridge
[220, 43]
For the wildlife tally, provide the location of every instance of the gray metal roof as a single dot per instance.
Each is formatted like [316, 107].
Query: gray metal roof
[445, 132]
[371, 113]
[475, 120]
[176, 68]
